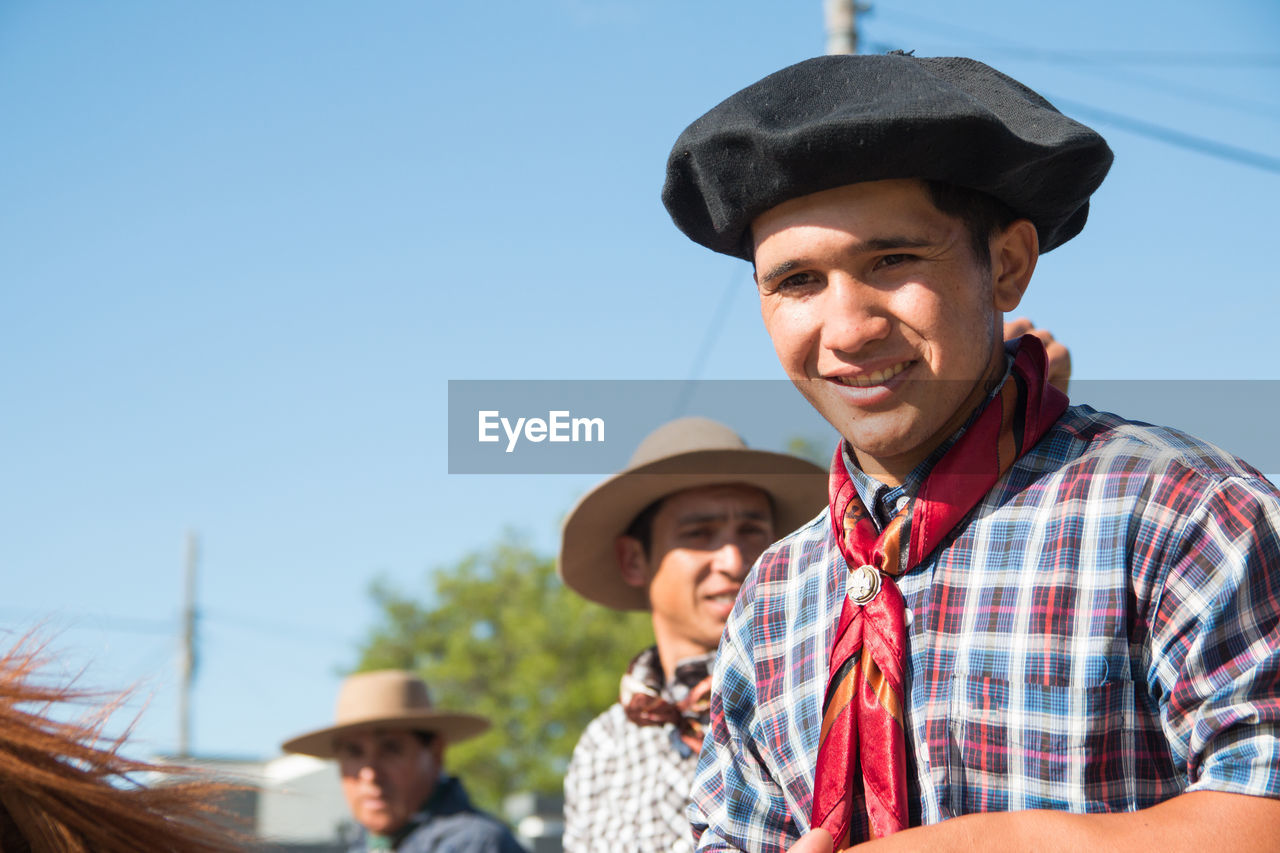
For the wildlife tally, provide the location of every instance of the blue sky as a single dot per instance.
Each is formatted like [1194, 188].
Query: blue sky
[244, 247]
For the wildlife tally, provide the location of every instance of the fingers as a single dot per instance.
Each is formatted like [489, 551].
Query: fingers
[1059, 365]
[1017, 328]
[1059, 355]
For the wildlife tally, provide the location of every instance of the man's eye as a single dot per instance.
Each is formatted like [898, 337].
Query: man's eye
[799, 281]
[893, 260]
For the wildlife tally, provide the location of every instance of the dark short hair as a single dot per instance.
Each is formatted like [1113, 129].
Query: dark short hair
[641, 527]
[983, 215]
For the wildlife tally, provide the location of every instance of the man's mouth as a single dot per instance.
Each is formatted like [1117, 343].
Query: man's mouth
[722, 597]
[878, 377]
[374, 798]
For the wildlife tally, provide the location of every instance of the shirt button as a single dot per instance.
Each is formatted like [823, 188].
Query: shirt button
[908, 617]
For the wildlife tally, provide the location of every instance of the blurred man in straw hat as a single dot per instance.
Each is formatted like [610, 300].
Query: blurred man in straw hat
[674, 534]
[389, 740]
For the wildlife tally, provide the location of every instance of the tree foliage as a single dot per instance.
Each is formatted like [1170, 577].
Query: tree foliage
[816, 450]
[498, 634]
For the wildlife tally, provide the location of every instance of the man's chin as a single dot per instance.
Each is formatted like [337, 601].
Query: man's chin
[887, 436]
[880, 429]
[380, 823]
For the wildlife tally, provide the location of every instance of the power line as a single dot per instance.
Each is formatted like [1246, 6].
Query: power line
[1103, 61]
[274, 628]
[1125, 56]
[1162, 85]
[100, 621]
[1199, 144]
[1211, 97]
[1178, 59]
[1089, 60]
[83, 621]
[708, 342]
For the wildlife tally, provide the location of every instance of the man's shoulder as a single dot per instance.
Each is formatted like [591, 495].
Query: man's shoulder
[793, 553]
[1087, 439]
[786, 594]
[627, 786]
[471, 830]
[611, 736]
[606, 732]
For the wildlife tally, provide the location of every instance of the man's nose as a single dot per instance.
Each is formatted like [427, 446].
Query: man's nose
[728, 560]
[852, 316]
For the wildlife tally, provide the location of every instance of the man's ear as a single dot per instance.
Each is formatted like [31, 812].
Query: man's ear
[1014, 252]
[633, 562]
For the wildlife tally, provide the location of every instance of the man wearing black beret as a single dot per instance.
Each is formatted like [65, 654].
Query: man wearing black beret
[1019, 624]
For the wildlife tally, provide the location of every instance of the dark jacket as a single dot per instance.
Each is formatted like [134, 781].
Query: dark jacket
[448, 823]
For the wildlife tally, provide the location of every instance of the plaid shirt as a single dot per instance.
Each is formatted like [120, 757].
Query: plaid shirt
[1102, 634]
[627, 788]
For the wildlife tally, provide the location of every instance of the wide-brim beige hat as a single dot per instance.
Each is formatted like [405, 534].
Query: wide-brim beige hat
[386, 699]
[679, 455]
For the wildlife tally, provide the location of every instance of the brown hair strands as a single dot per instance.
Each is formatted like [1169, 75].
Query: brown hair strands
[65, 788]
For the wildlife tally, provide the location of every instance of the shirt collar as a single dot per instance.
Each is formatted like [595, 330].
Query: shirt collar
[687, 674]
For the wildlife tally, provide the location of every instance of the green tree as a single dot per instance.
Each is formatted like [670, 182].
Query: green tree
[498, 634]
[816, 450]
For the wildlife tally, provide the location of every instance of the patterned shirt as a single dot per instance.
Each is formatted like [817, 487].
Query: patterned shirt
[627, 788]
[1101, 634]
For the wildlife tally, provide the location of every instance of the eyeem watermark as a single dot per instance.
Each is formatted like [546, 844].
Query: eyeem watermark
[559, 426]
[498, 426]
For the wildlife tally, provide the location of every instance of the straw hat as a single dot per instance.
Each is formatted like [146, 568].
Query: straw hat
[679, 455]
[386, 699]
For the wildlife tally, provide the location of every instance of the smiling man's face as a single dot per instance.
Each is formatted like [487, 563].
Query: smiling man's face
[882, 315]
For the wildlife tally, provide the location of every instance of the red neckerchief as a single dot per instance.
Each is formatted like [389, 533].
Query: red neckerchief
[862, 751]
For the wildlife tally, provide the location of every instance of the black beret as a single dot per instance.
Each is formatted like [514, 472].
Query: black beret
[838, 120]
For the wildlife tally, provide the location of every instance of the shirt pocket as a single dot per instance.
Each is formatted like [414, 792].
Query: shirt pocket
[1022, 745]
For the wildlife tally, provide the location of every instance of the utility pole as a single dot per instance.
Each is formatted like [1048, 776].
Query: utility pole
[842, 25]
[187, 661]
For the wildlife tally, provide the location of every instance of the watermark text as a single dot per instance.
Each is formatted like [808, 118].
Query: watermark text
[559, 426]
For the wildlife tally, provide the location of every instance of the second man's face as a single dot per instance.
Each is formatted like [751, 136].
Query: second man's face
[881, 315]
[703, 542]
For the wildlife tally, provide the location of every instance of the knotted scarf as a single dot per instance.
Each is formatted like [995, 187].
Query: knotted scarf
[685, 701]
[862, 751]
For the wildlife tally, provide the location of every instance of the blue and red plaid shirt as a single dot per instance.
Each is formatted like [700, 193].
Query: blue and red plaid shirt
[1101, 634]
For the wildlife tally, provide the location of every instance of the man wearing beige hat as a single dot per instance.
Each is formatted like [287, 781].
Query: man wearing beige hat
[674, 534]
[389, 740]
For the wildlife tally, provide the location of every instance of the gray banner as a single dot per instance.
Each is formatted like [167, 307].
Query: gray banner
[592, 427]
